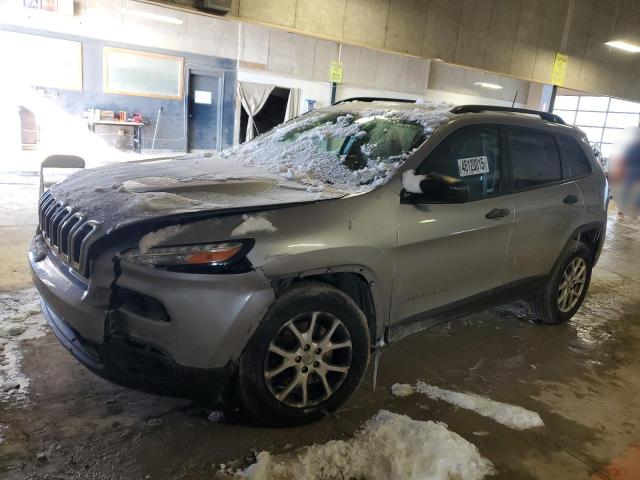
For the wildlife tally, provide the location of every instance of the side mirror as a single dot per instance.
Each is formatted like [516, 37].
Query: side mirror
[439, 189]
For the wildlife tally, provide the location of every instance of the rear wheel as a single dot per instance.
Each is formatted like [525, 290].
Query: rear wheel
[567, 286]
[306, 357]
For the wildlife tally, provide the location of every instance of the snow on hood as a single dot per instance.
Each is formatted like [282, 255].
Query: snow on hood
[126, 192]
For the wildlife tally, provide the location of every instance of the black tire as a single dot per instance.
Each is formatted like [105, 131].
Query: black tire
[545, 305]
[299, 300]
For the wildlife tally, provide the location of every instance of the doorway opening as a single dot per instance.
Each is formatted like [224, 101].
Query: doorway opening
[272, 114]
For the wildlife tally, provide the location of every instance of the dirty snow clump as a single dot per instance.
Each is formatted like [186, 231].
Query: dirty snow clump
[389, 445]
[401, 389]
[252, 224]
[511, 416]
[38, 248]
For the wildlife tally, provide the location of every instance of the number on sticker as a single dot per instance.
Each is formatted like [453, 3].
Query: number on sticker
[473, 166]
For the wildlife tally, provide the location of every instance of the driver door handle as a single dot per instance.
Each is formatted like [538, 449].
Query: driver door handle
[497, 213]
[571, 199]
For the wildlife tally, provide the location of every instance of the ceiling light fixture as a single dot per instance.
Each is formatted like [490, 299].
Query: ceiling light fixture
[622, 45]
[492, 86]
[151, 16]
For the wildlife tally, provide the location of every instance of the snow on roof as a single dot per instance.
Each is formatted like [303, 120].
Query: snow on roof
[292, 149]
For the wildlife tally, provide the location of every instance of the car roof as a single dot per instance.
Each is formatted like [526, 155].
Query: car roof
[480, 113]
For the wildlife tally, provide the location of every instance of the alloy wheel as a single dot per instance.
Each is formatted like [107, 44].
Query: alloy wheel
[308, 359]
[572, 284]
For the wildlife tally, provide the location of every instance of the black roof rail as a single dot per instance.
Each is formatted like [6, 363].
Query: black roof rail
[375, 99]
[549, 117]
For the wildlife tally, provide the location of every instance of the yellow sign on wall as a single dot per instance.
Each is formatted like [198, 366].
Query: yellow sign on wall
[559, 72]
[335, 72]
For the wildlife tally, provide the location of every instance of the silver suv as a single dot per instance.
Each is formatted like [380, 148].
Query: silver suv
[273, 270]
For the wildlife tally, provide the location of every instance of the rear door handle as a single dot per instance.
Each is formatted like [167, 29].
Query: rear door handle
[497, 213]
[571, 199]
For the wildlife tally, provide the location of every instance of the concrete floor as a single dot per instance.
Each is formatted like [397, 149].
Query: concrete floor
[581, 377]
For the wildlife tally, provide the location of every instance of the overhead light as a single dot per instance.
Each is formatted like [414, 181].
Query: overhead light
[622, 45]
[151, 16]
[492, 86]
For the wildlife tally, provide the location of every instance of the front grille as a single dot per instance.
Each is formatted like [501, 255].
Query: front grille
[66, 231]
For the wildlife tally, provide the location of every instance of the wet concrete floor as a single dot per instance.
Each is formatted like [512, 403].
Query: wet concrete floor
[581, 377]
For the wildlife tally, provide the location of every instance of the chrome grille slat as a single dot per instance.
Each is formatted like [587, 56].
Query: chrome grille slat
[43, 211]
[56, 220]
[65, 229]
[67, 232]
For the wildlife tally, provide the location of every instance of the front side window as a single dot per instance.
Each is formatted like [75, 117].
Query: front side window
[471, 154]
[576, 161]
[534, 158]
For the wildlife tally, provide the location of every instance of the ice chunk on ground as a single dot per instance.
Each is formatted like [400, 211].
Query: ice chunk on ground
[509, 415]
[388, 446]
[252, 224]
[216, 416]
[401, 389]
[411, 181]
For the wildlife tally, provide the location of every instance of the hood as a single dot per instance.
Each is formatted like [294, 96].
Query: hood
[125, 193]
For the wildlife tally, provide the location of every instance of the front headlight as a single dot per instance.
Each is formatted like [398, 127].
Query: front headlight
[196, 258]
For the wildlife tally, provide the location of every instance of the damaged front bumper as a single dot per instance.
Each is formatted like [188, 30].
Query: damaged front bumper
[170, 333]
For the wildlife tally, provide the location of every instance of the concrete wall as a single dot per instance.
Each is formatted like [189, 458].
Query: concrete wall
[267, 55]
[513, 37]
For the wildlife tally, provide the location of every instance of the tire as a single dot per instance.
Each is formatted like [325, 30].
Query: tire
[275, 357]
[550, 306]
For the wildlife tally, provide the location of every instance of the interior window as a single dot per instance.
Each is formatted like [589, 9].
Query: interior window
[534, 157]
[574, 157]
[471, 154]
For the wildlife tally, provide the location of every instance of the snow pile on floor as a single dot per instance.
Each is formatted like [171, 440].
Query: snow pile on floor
[509, 415]
[20, 319]
[294, 151]
[401, 389]
[389, 446]
[252, 224]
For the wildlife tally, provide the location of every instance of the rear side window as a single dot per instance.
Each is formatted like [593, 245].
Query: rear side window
[471, 154]
[535, 158]
[576, 161]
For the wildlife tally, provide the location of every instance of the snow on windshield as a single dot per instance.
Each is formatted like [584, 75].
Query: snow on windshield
[354, 151]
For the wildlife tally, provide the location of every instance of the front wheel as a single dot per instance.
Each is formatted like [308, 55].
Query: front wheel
[307, 356]
[567, 286]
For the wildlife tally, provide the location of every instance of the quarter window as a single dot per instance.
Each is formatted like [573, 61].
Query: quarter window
[471, 154]
[534, 158]
[576, 161]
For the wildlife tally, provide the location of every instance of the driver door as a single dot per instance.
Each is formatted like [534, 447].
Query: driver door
[451, 254]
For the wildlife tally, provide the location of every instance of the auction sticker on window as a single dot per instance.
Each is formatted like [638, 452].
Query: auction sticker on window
[473, 166]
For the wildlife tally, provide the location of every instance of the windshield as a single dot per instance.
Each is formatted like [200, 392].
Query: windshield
[352, 151]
